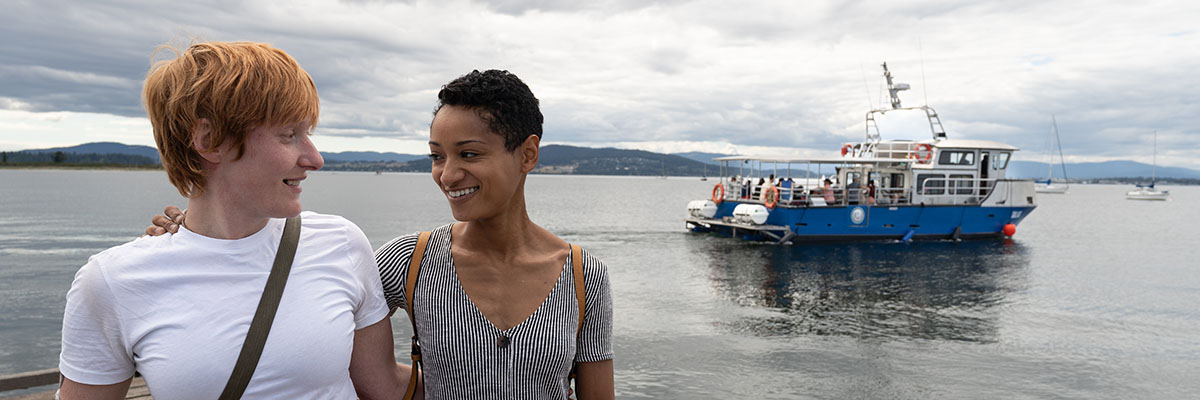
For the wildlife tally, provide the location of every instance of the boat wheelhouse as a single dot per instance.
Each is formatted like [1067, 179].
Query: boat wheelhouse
[877, 189]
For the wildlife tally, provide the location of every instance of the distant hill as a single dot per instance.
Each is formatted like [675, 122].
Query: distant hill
[353, 156]
[152, 153]
[105, 148]
[559, 159]
[703, 157]
[1099, 170]
[101, 153]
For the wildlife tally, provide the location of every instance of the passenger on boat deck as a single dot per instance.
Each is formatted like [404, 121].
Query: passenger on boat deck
[232, 122]
[827, 192]
[870, 193]
[853, 191]
[495, 305]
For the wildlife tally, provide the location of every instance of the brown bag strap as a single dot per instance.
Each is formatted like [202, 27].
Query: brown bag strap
[580, 295]
[414, 269]
[260, 326]
[580, 289]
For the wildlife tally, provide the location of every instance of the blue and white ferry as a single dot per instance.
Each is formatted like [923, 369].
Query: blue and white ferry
[938, 188]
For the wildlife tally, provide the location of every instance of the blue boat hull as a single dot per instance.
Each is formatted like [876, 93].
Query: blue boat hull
[863, 222]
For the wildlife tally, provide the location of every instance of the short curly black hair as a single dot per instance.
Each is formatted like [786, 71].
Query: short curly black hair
[500, 99]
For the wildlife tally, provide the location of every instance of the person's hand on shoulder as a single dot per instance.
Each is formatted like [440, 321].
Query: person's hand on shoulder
[167, 222]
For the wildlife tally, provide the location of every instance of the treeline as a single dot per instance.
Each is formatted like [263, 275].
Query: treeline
[559, 159]
[58, 157]
[586, 166]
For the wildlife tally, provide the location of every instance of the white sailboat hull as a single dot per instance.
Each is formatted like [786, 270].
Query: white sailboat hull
[1148, 194]
[1051, 189]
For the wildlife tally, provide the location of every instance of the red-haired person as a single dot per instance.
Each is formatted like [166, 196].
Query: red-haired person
[232, 123]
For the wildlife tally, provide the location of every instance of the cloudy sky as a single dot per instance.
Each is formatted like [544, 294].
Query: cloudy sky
[752, 77]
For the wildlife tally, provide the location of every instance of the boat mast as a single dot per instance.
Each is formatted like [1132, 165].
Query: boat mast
[1058, 139]
[1050, 163]
[894, 89]
[1154, 161]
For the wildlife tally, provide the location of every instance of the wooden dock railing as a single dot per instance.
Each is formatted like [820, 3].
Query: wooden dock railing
[45, 377]
[28, 379]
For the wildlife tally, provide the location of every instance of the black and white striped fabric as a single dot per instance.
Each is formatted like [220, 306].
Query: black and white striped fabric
[466, 357]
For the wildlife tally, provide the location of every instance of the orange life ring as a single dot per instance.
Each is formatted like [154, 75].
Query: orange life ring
[771, 197]
[922, 147]
[718, 193]
[847, 149]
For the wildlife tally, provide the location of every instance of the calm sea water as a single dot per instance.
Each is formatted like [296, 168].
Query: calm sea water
[1095, 297]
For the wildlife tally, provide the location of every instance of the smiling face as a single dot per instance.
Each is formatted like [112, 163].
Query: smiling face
[265, 181]
[479, 176]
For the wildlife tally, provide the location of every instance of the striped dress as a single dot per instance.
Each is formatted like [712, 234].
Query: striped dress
[466, 357]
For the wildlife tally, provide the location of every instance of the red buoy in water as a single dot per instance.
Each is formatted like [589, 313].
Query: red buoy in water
[1010, 229]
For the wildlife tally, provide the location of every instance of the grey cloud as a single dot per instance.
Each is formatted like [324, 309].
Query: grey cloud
[752, 74]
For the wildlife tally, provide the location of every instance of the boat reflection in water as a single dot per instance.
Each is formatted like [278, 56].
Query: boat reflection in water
[933, 290]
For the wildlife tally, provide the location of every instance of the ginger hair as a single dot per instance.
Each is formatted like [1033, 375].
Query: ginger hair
[236, 86]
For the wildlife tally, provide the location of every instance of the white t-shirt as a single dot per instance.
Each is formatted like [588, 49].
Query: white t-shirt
[178, 307]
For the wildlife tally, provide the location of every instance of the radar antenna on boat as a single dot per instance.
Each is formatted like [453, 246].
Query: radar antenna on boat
[894, 89]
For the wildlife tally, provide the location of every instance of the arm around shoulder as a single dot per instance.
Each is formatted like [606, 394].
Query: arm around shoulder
[373, 367]
[71, 390]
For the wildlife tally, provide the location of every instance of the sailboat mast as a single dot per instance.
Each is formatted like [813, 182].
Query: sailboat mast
[1058, 139]
[1050, 161]
[1154, 161]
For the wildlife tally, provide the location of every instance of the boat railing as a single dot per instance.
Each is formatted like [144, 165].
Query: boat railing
[932, 191]
[800, 196]
[896, 150]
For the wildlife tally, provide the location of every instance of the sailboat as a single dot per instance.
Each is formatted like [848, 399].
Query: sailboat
[1148, 192]
[1048, 186]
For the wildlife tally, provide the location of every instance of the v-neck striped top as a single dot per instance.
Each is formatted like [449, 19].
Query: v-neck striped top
[466, 357]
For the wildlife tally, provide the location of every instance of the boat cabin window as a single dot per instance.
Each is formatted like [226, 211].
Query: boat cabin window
[931, 184]
[893, 181]
[854, 177]
[963, 183]
[956, 157]
[1001, 160]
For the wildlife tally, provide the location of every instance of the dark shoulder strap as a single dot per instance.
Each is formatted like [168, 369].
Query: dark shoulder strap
[260, 326]
[410, 286]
